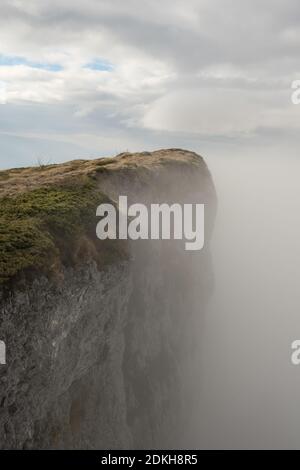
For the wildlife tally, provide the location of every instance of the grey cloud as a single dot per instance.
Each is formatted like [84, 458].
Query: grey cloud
[160, 49]
[244, 32]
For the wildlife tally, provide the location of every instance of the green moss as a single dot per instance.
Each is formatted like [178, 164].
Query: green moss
[40, 227]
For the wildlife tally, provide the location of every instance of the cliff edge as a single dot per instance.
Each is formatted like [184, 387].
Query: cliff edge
[99, 334]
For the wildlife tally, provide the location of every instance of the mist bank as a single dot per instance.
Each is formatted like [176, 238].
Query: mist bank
[250, 388]
[101, 335]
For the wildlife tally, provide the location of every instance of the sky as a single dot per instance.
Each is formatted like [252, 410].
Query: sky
[96, 78]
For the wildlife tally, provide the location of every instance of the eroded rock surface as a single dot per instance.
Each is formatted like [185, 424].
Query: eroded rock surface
[100, 347]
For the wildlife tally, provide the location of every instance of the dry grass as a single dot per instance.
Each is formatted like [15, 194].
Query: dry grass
[47, 213]
[19, 180]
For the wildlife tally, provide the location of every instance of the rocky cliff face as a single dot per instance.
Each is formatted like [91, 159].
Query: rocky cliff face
[100, 336]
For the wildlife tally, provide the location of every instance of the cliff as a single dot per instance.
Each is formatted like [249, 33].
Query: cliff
[99, 334]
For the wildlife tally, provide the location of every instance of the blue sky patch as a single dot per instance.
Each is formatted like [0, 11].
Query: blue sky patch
[100, 65]
[16, 60]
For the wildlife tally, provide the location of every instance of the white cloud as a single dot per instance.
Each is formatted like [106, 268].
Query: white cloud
[222, 111]
[217, 69]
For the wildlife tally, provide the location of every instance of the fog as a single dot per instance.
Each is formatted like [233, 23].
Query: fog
[249, 391]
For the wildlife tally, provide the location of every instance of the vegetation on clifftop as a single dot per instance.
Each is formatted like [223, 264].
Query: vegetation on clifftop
[48, 213]
[45, 228]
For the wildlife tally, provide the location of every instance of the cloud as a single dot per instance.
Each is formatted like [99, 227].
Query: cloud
[222, 111]
[203, 67]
